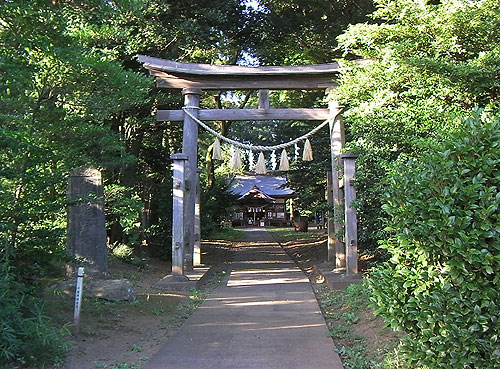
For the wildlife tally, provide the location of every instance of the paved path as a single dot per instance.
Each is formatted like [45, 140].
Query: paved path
[264, 315]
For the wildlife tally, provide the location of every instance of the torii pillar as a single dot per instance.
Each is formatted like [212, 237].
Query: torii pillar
[336, 248]
[351, 225]
[190, 148]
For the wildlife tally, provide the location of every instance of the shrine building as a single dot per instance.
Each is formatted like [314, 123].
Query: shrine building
[262, 200]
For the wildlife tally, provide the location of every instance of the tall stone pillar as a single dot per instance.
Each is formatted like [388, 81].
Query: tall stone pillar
[86, 237]
[330, 223]
[178, 224]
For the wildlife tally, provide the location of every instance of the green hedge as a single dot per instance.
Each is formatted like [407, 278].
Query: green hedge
[442, 284]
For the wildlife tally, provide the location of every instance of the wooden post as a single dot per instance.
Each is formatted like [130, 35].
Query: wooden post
[190, 148]
[264, 99]
[197, 225]
[351, 226]
[337, 142]
[330, 223]
[178, 234]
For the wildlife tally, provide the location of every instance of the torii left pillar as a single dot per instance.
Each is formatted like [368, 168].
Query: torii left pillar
[179, 184]
[190, 148]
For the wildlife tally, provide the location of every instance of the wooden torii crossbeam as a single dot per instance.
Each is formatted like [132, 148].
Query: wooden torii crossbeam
[192, 79]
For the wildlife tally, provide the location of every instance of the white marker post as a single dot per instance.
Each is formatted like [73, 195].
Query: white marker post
[78, 298]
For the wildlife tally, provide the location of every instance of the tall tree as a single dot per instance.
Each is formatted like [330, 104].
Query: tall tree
[56, 99]
[304, 31]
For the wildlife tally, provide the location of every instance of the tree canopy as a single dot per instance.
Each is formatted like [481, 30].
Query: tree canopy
[427, 64]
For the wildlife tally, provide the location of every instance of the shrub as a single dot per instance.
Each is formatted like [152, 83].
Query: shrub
[123, 252]
[26, 334]
[217, 205]
[442, 284]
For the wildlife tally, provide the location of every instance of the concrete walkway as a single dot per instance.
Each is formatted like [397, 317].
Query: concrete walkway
[264, 315]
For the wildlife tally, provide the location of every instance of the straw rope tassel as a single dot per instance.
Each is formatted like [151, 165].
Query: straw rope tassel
[236, 159]
[308, 153]
[284, 164]
[216, 151]
[260, 167]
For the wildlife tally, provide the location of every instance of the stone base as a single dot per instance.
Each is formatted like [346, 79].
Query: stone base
[174, 283]
[191, 279]
[336, 278]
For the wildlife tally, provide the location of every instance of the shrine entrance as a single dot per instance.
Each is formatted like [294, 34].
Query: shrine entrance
[192, 79]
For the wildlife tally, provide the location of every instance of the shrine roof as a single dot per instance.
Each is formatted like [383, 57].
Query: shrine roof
[256, 193]
[273, 186]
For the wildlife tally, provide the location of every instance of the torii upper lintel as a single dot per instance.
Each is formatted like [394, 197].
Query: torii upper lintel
[175, 75]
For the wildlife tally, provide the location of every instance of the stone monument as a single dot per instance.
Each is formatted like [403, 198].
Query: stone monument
[86, 239]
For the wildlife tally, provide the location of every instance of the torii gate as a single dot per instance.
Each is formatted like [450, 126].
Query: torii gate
[192, 78]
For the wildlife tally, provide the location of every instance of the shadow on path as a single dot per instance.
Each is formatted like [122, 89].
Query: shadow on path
[264, 315]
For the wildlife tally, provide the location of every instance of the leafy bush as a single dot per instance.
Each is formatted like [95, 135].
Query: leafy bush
[442, 284]
[413, 87]
[217, 206]
[26, 334]
[123, 252]
[123, 209]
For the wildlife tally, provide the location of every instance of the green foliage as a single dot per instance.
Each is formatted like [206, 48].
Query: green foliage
[289, 234]
[57, 99]
[123, 210]
[442, 285]
[217, 205]
[123, 252]
[428, 62]
[26, 334]
[358, 357]
[357, 296]
[343, 310]
[294, 32]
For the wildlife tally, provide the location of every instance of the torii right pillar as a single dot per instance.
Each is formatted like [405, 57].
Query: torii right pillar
[336, 248]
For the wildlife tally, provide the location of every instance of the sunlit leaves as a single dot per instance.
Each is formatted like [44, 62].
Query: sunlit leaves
[57, 97]
[440, 286]
[428, 62]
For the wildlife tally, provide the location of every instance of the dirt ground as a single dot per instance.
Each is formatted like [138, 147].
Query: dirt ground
[124, 335]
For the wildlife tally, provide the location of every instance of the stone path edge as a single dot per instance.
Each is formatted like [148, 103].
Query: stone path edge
[330, 278]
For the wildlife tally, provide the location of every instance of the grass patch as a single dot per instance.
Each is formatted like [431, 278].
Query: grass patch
[348, 317]
[226, 234]
[289, 234]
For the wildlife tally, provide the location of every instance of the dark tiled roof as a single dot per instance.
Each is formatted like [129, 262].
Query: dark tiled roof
[256, 193]
[274, 186]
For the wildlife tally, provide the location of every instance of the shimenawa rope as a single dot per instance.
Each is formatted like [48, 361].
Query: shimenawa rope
[256, 147]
